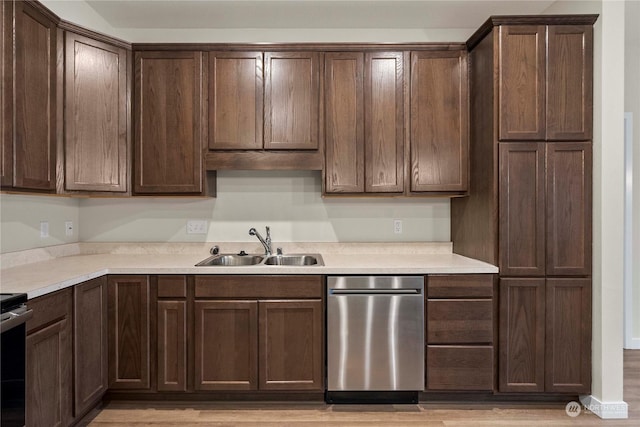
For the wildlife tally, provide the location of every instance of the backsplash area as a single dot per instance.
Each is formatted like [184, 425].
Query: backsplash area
[289, 202]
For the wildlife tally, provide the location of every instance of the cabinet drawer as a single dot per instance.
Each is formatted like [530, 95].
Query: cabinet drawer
[172, 286]
[48, 308]
[459, 367]
[460, 286]
[459, 321]
[258, 287]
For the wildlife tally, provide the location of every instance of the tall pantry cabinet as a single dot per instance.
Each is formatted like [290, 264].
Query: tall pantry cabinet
[529, 209]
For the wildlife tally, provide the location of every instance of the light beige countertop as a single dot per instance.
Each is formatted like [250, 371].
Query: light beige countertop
[46, 270]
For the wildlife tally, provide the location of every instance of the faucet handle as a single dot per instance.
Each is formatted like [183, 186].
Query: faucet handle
[214, 250]
[278, 251]
[268, 232]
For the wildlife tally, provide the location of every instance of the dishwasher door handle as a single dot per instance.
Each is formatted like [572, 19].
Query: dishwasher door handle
[375, 291]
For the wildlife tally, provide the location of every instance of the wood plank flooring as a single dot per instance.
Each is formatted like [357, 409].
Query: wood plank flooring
[199, 414]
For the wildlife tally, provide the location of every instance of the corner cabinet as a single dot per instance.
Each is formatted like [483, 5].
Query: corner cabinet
[29, 110]
[96, 117]
[168, 148]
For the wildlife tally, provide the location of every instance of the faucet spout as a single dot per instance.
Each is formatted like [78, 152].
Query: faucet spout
[266, 243]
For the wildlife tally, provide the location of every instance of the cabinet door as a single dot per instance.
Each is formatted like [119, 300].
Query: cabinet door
[439, 121]
[344, 121]
[235, 100]
[291, 345]
[168, 116]
[522, 209]
[568, 183]
[90, 343]
[384, 122]
[96, 134]
[569, 82]
[34, 136]
[226, 345]
[128, 308]
[521, 85]
[522, 335]
[172, 345]
[568, 342]
[6, 93]
[291, 100]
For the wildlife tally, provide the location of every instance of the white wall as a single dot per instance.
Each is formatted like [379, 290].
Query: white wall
[79, 12]
[290, 202]
[632, 104]
[21, 217]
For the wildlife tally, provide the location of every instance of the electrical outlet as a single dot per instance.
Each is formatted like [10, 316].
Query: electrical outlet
[397, 226]
[197, 226]
[44, 229]
[68, 228]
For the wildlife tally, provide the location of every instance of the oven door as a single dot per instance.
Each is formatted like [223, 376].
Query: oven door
[12, 365]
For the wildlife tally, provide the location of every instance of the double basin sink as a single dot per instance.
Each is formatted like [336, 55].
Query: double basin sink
[237, 260]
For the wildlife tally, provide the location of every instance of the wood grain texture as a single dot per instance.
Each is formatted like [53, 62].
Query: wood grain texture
[474, 219]
[570, 82]
[90, 345]
[237, 286]
[168, 120]
[49, 352]
[459, 367]
[522, 82]
[236, 93]
[344, 123]
[568, 336]
[522, 335]
[6, 94]
[226, 345]
[129, 336]
[97, 140]
[291, 337]
[522, 209]
[460, 286]
[384, 122]
[172, 345]
[439, 121]
[291, 100]
[569, 208]
[173, 286]
[34, 136]
[459, 321]
[264, 160]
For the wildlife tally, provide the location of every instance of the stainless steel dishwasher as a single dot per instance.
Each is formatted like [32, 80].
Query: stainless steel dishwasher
[375, 338]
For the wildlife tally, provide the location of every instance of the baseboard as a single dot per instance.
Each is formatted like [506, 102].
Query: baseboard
[605, 410]
[632, 344]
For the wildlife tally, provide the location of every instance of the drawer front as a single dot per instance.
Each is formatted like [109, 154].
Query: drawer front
[459, 321]
[460, 286]
[258, 287]
[460, 367]
[172, 286]
[49, 308]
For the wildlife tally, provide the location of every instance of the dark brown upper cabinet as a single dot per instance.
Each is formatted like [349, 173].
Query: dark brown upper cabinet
[439, 121]
[545, 82]
[168, 120]
[235, 100]
[364, 122]
[28, 98]
[545, 209]
[264, 100]
[96, 116]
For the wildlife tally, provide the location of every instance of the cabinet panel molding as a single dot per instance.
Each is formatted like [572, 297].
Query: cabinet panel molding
[172, 346]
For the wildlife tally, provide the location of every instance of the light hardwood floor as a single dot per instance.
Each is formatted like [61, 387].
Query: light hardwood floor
[318, 414]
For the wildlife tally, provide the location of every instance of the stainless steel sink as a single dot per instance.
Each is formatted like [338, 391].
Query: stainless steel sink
[236, 260]
[229, 260]
[290, 260]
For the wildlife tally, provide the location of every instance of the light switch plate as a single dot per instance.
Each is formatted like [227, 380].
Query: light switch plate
[44, 229]
[68, 228]
[196, 226]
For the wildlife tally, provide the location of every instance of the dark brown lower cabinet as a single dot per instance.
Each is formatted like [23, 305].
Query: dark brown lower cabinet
[545, 335]
[460, 367]
[290, 345]
[90, 344]
[226, 345]
[49, 389]
[172, 346]
[129, 325]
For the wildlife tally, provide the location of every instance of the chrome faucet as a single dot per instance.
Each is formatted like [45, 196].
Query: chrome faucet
[265, 242]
